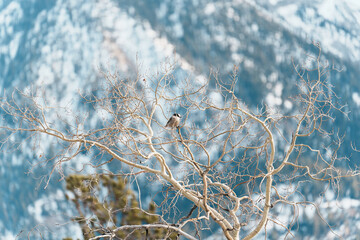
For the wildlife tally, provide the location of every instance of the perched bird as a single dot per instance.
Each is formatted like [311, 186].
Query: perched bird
[174, 121]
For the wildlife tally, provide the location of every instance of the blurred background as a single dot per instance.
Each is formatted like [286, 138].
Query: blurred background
[62, 45]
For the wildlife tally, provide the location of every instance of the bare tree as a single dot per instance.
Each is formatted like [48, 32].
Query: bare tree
[236, 166]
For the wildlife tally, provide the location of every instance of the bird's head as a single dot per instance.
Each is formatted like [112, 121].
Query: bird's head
[177, 115]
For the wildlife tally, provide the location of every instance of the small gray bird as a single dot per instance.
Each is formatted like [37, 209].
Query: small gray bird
[174, 121]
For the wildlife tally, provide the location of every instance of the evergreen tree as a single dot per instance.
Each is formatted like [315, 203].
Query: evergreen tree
[105, 203]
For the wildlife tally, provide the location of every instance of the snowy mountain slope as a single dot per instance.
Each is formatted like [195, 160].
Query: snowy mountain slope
[38, 45]
[336, 24]
[224, 34]
[61, 44]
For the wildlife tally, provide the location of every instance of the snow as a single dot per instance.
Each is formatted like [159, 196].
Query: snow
[46, 76]
[201, 79]
[178, 30]
[122, 37]
[328, 10]
[356, 98]
[14, 45]
[345, 203]
[310, 12]
[273, 100]
[36, 209]
[274, 2]
[273, 77]
[237, 58]
[230, 13]
[353, 4]
[278, 89]
[216, 99]
[248, 63]
[289, 12]
[209, 8]
[49, 203]
[16, 161]
[12, 13]
[139, 40]
[161, 13]
[254, 27]
[8, 236]
[67, 54]
[310, 211]
[334, 23]
[288, 104]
